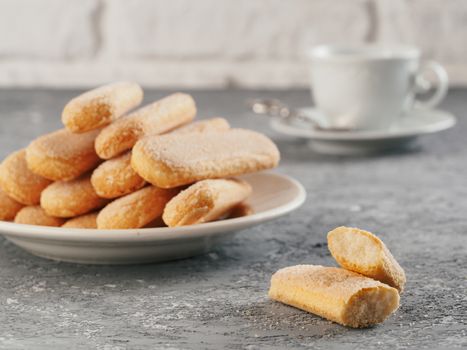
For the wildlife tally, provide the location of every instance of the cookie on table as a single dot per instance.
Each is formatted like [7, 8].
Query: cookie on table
[334, 293]
[361, 251]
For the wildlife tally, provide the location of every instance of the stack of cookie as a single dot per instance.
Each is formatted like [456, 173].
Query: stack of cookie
[114, 167]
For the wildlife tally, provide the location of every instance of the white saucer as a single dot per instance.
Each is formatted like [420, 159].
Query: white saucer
[274, 195]
[404, 131]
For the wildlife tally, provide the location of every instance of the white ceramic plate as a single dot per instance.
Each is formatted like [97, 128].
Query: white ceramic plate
[405, 130]
[273, 195]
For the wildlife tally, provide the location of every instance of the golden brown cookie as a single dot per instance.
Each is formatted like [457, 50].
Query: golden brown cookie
[8, 207]
[115, 177]
[205, 201]
[67, 199]
[178, 159]
[154, 119]
[20, 183]
[135, 210]
[339, 295]
[62, 155]
[83, 221]
[361, 251]
[100, 106]
[35, 215]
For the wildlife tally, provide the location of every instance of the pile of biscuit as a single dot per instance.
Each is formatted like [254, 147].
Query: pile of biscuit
[364, 292]
[117, 167]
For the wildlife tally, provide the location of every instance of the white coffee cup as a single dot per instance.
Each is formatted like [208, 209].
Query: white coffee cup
[369, 87]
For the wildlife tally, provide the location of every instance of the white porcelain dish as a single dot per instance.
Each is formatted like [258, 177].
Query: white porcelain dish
[274, 195]
[418, 122]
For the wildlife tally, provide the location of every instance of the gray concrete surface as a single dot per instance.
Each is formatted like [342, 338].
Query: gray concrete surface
[415, 200]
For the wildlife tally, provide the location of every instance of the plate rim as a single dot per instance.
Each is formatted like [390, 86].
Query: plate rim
[156, 234]
[279, 126]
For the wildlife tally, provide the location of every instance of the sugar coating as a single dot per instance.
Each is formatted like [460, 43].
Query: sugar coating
[62, 155]
[71, 198]
[177, 159]
[8, 207]
[83, 221]
[339, 283]
[205, 201]
[35, 215]
[19, 182]
[135, 210]
[154, 119]
[100, 106]
[116, 177]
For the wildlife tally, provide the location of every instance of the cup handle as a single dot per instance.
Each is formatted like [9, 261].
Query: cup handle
[422, 85]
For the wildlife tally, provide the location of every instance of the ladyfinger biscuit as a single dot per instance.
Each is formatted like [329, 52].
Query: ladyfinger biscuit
[67, 199]
[83, 221]
[99, 107]
[62, 155]
[8, 207]
[339, 295]
[361, 251]
[213, 124]
[173, 160]
[35, 215]
[205, 201]
[115, 177]
[20, 183]
[156, 118]
[135, 210]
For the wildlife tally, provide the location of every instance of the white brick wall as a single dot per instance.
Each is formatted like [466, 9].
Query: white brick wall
[47, 30]
[210, 43]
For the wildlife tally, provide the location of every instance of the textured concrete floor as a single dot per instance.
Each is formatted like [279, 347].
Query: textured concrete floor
[414, 200]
